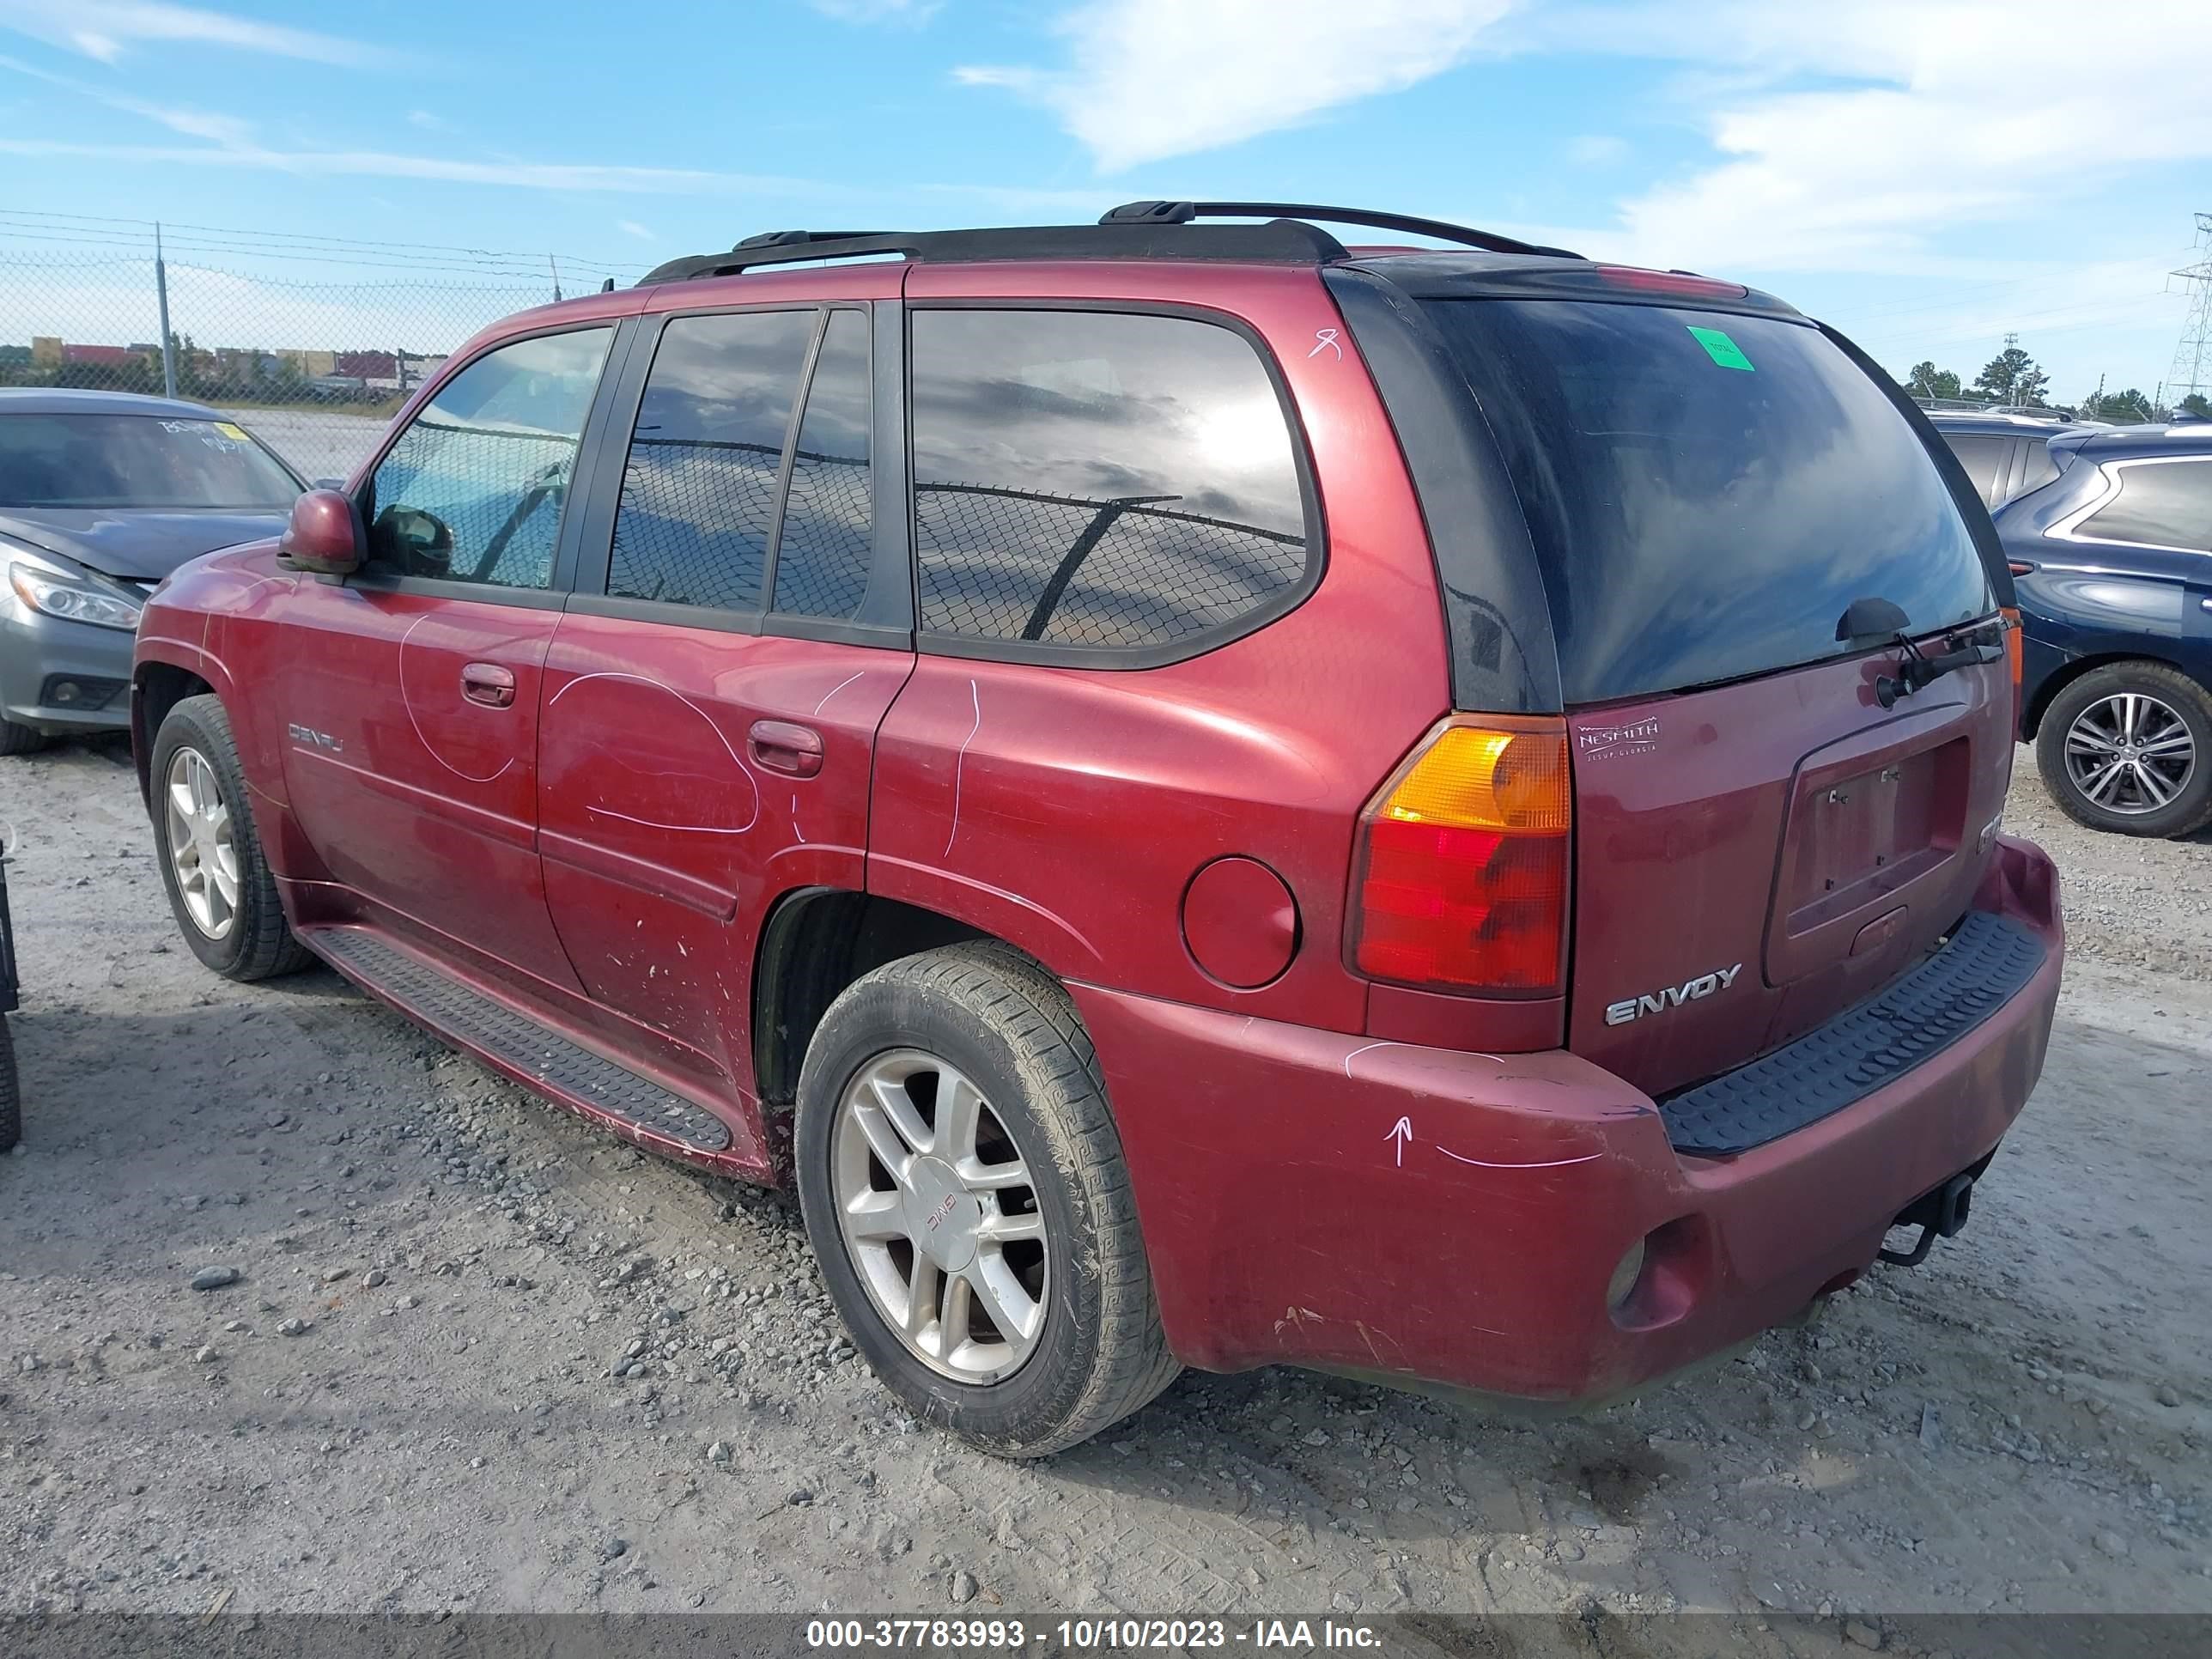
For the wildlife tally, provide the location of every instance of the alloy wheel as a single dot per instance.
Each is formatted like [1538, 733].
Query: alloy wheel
[938, 1212]
[2129, 753]
[203, 850]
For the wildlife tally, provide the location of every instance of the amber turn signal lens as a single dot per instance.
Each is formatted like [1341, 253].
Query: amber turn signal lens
[1461, 878]
[1474, 777]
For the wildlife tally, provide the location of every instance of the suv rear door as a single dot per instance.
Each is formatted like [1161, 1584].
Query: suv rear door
[741, 624]
[1760, 842]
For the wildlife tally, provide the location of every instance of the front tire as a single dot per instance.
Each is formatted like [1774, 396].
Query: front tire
[963, 1189]
[16, 740]
[220, 886]
[2128, 748]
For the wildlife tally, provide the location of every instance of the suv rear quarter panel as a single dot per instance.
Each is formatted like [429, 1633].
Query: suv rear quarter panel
[1067, 808]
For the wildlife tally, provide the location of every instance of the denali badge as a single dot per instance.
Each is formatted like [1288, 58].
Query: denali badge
[1671, 996]
[313, 738]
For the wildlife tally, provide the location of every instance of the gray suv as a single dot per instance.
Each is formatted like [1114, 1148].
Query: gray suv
[101, 495]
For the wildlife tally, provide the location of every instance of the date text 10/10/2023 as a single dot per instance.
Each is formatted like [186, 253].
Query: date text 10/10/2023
[1101, 1635]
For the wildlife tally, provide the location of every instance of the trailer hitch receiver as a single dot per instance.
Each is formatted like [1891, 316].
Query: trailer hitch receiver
[1938, 1214]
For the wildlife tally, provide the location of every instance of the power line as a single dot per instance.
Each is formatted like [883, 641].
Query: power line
[300, 239]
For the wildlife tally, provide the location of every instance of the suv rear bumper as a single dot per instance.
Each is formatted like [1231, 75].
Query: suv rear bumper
[1431, 1216]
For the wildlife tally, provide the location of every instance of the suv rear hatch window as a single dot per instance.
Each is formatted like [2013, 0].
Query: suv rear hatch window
[1708, 492]
[1759, 844]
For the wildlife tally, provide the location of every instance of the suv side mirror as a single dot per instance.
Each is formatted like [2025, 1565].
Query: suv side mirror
[324, 536]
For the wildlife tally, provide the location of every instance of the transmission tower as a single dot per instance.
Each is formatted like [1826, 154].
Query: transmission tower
[2192, 358]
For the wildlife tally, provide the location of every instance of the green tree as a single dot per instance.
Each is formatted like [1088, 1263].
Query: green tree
[2129, 408]
[1929, 381]
[2198, 405]
[2012, 377]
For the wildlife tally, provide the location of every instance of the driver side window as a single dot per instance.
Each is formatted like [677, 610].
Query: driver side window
[472, 491]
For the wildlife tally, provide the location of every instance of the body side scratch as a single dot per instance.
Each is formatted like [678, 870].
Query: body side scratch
[960, 762]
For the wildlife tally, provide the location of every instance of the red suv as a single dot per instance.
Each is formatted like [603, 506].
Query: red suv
[1211, 797]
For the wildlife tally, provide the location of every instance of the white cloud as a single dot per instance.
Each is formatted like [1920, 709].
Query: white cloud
[428, 122]
[1147, 79]
[105, 29]
[912, 13]
[1597, 149]
[1965, 113]
[820, 194]
[631, 228]
[383, 164]
[211, 125]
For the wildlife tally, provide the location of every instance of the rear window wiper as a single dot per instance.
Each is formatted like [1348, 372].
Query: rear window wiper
[1918, 669]
[1871, 619]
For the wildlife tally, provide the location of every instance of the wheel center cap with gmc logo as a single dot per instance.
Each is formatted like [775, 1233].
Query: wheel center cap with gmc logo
[942, 1216]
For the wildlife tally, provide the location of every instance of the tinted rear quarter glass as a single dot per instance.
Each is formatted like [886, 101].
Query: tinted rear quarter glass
[2037, 468]
[1103, 480]
[1981, 455]
[2162, 504]
[1705, 510]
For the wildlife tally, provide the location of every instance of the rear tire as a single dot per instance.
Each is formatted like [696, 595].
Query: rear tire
[2083, 750]
[11, 1100]
[21, 739]
[1083, 1346]
[221, 889]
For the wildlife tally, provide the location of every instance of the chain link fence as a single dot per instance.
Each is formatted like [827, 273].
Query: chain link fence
[312, 342]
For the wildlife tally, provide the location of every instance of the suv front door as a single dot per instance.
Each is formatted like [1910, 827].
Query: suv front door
[741, 624]
[412, 689]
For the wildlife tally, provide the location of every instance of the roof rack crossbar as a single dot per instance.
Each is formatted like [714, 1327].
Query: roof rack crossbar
[1181, 213]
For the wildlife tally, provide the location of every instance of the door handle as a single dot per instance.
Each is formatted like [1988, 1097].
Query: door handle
[488, 684]
[783, 747]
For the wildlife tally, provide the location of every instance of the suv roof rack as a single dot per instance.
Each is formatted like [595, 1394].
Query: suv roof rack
[1135, 230]
[1181, 213]
[1280, 241]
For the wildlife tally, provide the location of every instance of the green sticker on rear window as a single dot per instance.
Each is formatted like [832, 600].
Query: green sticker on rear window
[1719, 347]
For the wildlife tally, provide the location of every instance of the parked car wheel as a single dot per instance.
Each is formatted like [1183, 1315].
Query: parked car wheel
[2128, 747]
[20, 739]
[963, 1188]
[220, 887]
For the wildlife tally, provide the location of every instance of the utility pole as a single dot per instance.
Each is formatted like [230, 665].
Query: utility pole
[554, 260]
[2192, 358]
[161, 294]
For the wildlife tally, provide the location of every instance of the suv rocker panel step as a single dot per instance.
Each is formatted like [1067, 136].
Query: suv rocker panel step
[449, 1007]
[1986, 962]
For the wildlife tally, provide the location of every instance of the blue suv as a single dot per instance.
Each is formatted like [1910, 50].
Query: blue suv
[2112, 561]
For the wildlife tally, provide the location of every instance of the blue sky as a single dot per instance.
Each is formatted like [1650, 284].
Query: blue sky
[1925, 173]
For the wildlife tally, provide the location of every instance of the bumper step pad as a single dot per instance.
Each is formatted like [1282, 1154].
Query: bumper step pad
[448, 1006]
[1989, 958]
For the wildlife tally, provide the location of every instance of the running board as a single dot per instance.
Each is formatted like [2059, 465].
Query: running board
[535, 1053]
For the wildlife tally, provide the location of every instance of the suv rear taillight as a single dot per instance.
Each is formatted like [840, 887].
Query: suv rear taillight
[2015, 644]
[1459, 876]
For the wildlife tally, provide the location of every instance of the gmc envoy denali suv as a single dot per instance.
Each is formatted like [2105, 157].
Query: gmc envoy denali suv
[1211, 797]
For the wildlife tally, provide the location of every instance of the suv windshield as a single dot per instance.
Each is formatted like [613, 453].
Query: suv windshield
[1708, 493]
[137, 460]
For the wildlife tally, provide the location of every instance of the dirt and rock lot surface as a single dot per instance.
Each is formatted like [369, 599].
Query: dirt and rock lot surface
[477, 1356]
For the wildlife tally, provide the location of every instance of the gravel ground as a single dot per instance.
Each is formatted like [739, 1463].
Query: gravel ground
[476, 1357]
